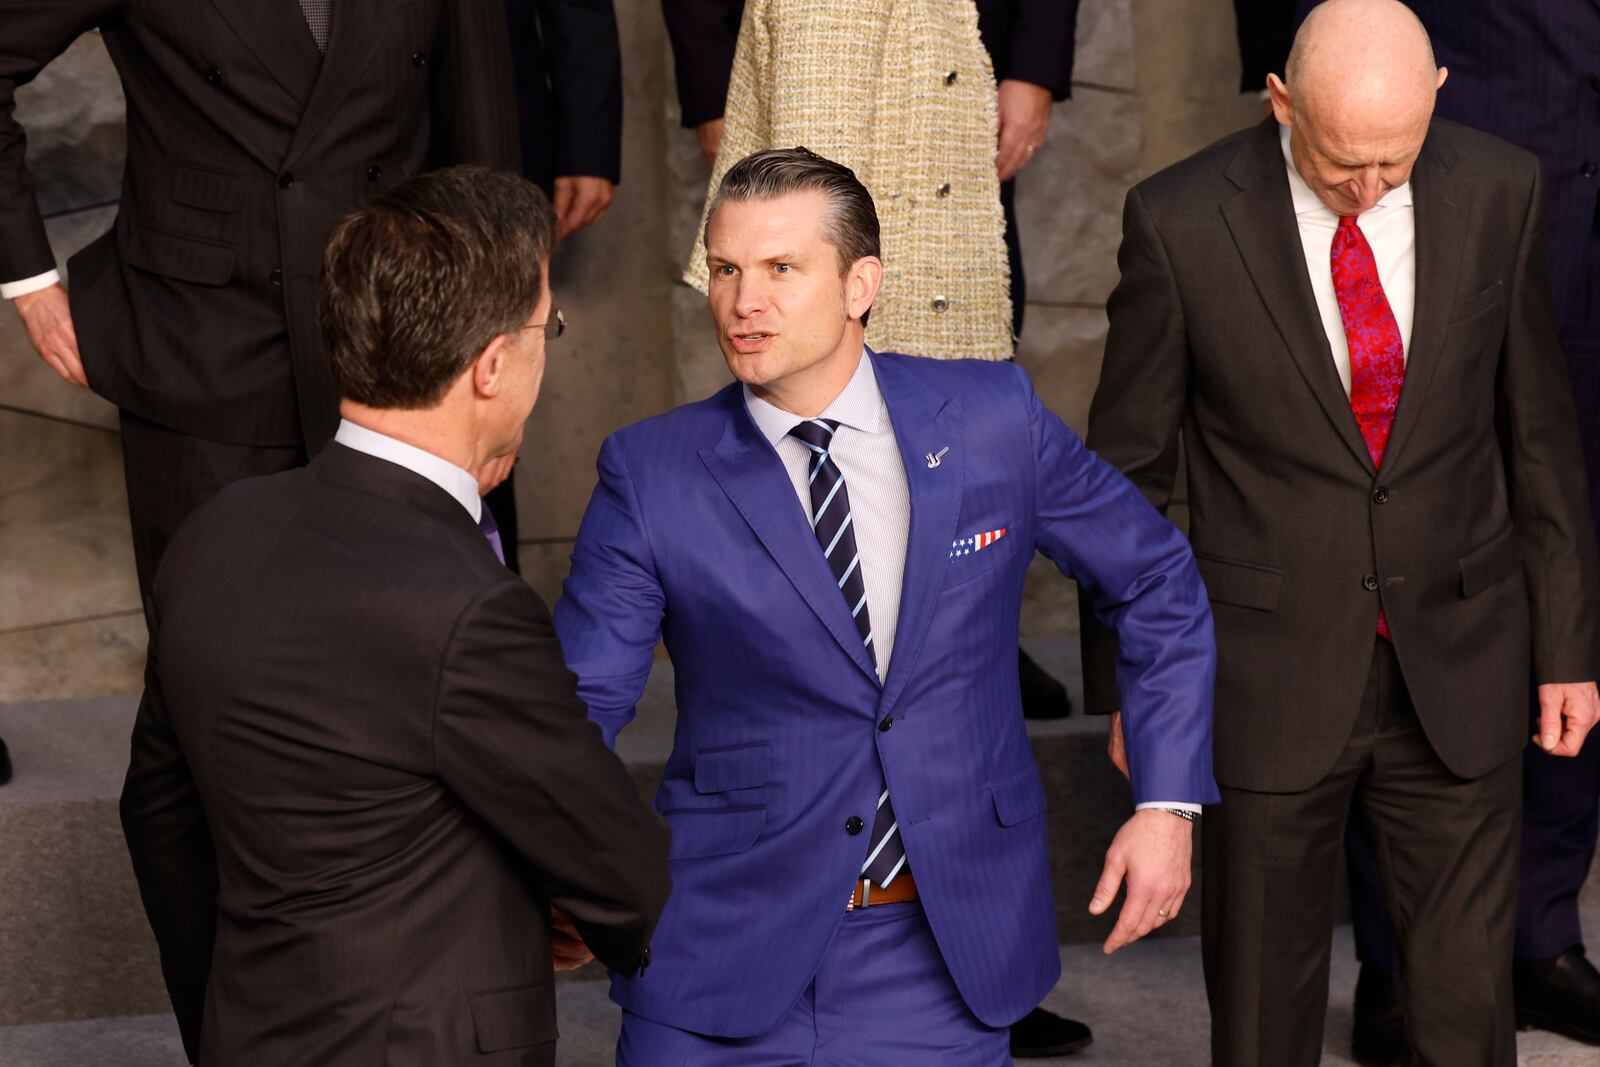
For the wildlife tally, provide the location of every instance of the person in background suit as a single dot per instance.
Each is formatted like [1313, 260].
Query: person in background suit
[567, 66]
[834, 549]
[252, 128]
[1348, 320]
[365, 807]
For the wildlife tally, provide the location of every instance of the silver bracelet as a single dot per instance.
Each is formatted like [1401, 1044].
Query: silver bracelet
[1186, 816]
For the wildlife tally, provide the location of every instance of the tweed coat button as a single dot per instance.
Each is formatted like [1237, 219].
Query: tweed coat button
[939, 303]
[950, 79]
[1370, 582]
[944, 190]
[853, 825]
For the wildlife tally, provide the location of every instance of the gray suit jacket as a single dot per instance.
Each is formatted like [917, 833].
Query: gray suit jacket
[1474, 537]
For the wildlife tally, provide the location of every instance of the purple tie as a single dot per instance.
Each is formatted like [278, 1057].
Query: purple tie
[491, 530]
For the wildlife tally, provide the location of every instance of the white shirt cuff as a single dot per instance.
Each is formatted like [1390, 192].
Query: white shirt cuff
[12, 290]
[1176, 806]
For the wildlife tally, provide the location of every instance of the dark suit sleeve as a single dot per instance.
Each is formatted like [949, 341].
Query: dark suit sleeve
[1549, 496]
[35, 32]
[1043, 45]
[474, 99]
[1138, 408]
[174, 858]
[1139, 573]
[585, 62]
[704, 34]
[512, 740]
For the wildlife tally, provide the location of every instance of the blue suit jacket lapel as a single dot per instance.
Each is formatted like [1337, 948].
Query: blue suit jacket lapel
[925, 421]
[749, 471]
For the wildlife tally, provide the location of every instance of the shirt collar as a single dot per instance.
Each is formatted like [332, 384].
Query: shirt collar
[456, 481]
[1306, 202]
[859, 406]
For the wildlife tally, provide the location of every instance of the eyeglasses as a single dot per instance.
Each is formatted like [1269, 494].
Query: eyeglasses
[553, 327]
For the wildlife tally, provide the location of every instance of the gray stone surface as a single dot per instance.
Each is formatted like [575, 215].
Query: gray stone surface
[73, 115]
[1105, 45]
[89, 658]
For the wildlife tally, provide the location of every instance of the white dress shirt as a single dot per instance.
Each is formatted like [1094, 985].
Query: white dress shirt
[868, 456]
[24, 286]
[456, 481]
[1390, 228]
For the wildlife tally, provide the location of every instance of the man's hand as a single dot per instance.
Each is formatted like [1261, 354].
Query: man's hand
[1567, 712]
[581, 201]
[566, 944]
[709, 134]
[47, 317]
[1115, 748]
[1153, 850]
[495, 471]
[1024, 123]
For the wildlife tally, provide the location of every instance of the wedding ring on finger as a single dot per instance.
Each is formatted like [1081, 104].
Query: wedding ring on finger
[1164, 913]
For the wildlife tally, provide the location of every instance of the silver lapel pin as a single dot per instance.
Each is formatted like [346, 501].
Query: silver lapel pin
[935, 457]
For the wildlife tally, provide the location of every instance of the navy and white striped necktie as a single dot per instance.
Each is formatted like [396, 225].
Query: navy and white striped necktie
[831, 521]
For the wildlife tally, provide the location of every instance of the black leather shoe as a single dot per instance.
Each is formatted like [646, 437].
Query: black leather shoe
[1042, 696]
[1563, 996]
[5, 764]
[1043, 1033]
[1378, 1038]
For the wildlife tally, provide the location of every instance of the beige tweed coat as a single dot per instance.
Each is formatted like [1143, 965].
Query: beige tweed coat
[902, 92]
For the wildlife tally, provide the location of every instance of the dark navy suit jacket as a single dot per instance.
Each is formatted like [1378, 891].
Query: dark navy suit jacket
[695, 534]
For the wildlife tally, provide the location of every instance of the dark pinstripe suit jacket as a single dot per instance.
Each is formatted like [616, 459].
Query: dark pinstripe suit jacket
[198, 310]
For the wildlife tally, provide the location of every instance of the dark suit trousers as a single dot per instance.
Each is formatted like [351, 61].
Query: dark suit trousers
[170, 474]
[1446, 849]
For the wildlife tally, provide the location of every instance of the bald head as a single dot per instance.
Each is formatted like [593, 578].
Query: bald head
[1361, 82]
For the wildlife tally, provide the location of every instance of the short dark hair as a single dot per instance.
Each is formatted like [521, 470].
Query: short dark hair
[417, 282]
[852, 224]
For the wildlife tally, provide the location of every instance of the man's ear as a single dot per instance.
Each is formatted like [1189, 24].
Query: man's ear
[861, 285]
[1282, 107]
[488, 369]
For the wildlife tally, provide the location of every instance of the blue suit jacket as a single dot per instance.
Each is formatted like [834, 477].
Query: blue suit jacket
[695, 534]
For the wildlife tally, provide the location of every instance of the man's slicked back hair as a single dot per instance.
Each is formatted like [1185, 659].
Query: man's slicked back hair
[852, 224]
[417, 282]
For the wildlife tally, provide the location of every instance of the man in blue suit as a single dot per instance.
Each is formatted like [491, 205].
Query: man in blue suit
[834, 549]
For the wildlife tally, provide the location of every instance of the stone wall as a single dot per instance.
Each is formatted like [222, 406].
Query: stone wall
[1155, 80]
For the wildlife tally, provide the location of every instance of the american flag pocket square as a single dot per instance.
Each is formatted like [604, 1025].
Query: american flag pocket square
[966, 546]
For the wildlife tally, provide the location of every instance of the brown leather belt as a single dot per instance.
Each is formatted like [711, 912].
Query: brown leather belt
[902, 889]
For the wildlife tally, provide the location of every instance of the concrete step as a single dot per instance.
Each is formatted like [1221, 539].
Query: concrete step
[1146, 1006]
[70, 918]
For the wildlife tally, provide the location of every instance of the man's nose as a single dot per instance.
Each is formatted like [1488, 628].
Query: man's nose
[751, 296]
[1369, 188]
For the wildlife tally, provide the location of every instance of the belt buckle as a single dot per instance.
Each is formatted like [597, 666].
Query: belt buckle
[866, 896]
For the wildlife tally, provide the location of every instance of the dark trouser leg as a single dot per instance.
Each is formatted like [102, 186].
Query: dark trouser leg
[1269, 860]
[1561, 815]
[502, 504]
[1019, 282]
[1369, 912]
[1447, 851]
[170, 474]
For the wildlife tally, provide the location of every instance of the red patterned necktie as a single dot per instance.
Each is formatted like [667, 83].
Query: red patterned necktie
[1377, 354]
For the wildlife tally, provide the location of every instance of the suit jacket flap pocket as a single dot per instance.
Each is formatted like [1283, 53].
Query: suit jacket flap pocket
[1487, 564]
[701, 832]
[208, 190]
[1019, 797]
[717, 770]
[183, 258]
[1244, 585]
[515, 1018]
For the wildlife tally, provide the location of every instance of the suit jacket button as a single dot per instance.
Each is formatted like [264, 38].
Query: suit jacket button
[1380, 495]
[888, 721]
[285, 181]
[852, 825]
[374, 173]
[213, 76]
[276, 277]
[1588, 170]
[419, 59]
[1370, 582]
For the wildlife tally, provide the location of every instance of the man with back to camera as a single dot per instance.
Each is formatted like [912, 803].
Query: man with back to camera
[1346, 314]
[834, 549]
[362, 787]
